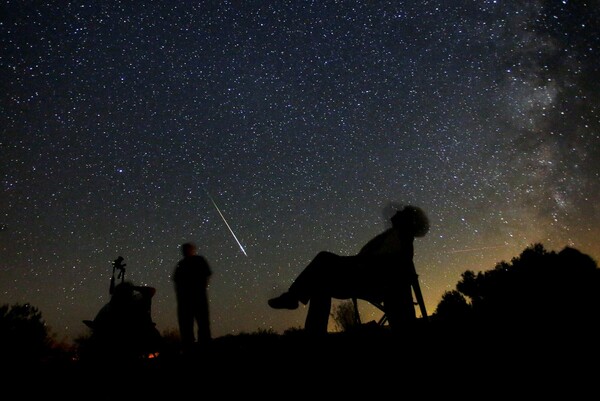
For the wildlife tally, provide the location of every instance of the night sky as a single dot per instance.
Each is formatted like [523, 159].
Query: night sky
[306, 122]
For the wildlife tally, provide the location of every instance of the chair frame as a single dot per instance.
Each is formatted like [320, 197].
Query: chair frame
[417, 301]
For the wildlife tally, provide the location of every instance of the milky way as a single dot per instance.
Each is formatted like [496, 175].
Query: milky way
[306, 120]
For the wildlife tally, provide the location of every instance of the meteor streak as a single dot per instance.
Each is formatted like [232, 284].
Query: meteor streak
[226, 223]
[477, 249]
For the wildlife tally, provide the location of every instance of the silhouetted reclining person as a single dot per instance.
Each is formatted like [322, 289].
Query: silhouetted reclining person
[382, 271]
[124, 325]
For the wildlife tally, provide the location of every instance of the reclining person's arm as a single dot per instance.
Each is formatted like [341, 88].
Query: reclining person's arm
[374, 245]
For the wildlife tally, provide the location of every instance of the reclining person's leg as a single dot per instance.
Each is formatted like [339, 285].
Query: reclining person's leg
[317, 317]
[318, 277]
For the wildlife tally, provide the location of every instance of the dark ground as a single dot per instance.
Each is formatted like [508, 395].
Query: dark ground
[368, 362]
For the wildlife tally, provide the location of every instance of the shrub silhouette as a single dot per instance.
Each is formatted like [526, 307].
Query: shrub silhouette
[343, 315]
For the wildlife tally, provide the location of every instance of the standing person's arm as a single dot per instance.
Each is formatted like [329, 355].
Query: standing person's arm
[207, 272]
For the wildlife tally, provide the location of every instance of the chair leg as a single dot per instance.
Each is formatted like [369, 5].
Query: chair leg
[356, 313]
[317, 316]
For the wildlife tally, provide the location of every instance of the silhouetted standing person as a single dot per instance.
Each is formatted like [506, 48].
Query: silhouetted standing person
[191, 277]
[383, 271]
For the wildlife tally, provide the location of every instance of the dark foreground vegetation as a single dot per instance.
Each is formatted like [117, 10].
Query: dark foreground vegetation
[528, 325]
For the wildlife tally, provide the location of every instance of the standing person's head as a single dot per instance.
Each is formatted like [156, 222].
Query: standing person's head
[411, 219]
[188, 249]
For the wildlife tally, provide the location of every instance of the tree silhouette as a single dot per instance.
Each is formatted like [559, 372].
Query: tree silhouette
[539, 289]
[453, 308]
[24, 336]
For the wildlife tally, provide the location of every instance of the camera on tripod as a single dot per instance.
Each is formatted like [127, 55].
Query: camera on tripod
[120, 266]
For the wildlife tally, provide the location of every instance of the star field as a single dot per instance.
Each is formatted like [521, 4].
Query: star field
[304, 121]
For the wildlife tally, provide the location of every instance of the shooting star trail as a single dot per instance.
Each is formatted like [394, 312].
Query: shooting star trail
[477, 249]
[227, 224]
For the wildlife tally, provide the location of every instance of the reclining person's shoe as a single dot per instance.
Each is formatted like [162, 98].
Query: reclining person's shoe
[284, 301]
